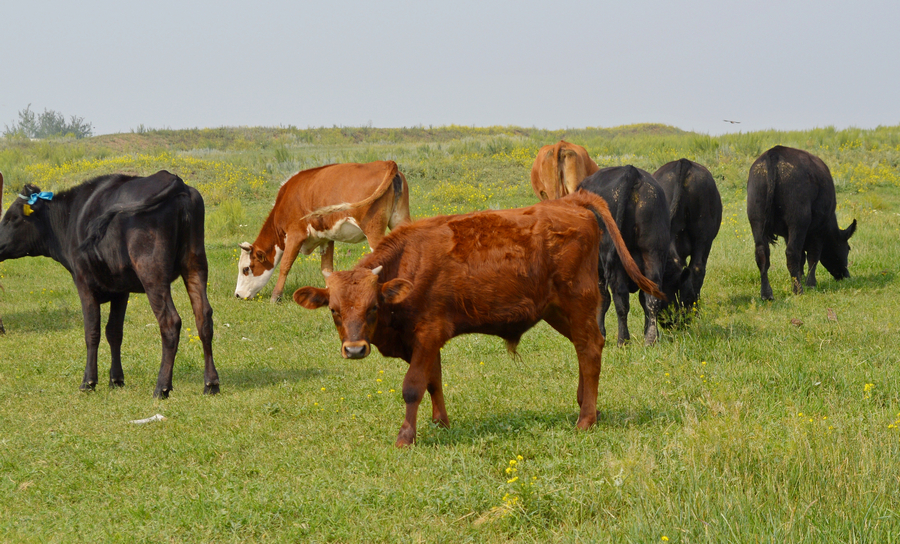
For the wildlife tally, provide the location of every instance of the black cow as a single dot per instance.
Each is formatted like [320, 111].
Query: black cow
[117, 235]
[790, 194]
[695, 215]
[639, 207]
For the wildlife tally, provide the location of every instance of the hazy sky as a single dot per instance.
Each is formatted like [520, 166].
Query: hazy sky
[183, 64]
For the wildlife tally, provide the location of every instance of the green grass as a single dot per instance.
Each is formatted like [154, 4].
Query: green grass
[743, 427]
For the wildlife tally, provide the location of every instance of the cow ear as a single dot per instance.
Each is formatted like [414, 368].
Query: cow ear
[396, 290]
[848, 232]
[260, 255]
[311, 298]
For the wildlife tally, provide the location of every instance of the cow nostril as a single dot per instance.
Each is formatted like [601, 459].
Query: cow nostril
[355, 352]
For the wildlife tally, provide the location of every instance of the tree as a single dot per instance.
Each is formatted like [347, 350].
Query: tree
[48, 124]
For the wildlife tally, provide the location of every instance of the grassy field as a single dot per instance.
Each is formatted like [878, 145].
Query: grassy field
[776, 421]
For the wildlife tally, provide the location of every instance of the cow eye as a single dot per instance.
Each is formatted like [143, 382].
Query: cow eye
[246, 270]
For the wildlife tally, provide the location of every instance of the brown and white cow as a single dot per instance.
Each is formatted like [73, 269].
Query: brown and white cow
[559, 168]
[491, 272]
[348, 202]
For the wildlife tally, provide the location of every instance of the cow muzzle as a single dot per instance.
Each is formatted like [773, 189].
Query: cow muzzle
[355, 350]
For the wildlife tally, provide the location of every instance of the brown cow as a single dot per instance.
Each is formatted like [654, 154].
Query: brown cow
[559, 168]
[2, 330]
[491, 272]
[314, 208]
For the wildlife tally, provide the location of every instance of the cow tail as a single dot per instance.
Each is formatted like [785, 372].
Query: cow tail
[97, 228]
[601, 210]
[771, 182]
[682, 169]
[387, 182]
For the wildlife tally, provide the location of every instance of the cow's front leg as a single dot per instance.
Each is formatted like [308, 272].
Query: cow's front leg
[90, 310]
[795, 258]
[418, 379]
[292, 246]
[160, 298]
[328, 258]
[117, 306]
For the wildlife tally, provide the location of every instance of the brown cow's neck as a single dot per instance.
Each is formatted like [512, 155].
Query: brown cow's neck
[268, 237]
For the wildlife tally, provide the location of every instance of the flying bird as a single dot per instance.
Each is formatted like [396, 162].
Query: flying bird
[732, 122]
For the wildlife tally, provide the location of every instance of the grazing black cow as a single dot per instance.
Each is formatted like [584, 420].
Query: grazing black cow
[695, 215]
[790, 193]
[117, 235]
[639, 207]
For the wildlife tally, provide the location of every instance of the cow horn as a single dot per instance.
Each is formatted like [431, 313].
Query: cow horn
[245, 246]
[376, 270]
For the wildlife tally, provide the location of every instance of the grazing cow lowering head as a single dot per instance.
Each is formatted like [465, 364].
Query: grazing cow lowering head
[790, 193]
[695, 214]
[118, 235]
[317, 207]
[493, 272]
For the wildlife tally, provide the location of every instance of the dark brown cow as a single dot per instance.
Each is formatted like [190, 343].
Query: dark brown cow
[2, 330]
[338, 202]
[491, 272]
[559, 168]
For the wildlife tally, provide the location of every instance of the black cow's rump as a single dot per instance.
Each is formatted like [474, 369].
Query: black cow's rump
[639, 207]
[117, 235]
[695, 215]
[790, 193]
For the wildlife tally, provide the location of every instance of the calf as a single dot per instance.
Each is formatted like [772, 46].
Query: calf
[695, 215]
[790, 193]
[338, 202]
[118, 235]
[492, 272]
[641, 213]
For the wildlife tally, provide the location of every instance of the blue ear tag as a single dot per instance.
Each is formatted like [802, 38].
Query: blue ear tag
[43, 195]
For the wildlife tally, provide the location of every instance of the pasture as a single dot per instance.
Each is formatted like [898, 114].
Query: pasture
[762, 421]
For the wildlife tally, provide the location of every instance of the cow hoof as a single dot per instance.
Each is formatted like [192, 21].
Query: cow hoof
[211, 389]
[113, 384]
[88, 386]
[161, 393]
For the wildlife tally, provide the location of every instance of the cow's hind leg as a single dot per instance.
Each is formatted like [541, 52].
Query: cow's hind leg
[90, 310]
[195, 282]
[588, 341]
[118, 304]
[160, 297]
[795, 258]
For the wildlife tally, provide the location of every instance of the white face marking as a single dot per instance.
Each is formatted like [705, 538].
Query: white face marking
[249, 285]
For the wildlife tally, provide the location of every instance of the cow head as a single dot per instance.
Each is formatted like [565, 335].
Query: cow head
[835, 251]
[255, 267]
[25, 225]
[678, 286]
[354, 297]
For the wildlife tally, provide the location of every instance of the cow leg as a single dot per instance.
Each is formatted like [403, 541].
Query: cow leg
[291, 250]
[812, 258]
[651, 306]
[588, 342]
[328, 258]
[117, 306]
[623, 306]
[195, 282]
[436, 391]
[374, 230]
[795, 257]
[160, 297]
[603, 307]
[762, 262]
[418, 379]
[90, 310]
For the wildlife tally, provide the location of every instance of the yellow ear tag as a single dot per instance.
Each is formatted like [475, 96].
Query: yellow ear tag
[26, 209]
